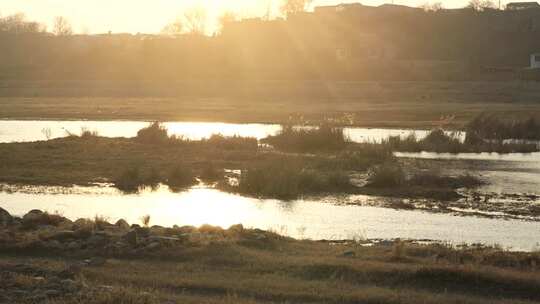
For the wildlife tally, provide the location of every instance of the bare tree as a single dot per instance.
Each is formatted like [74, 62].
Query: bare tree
[227, 18]
[174, 28]
[62, 27]
[291, 7]
[481, 5]
[432, 7]
[17, 24]
[195, 20]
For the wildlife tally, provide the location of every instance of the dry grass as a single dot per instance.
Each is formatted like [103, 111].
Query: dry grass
[222, 271]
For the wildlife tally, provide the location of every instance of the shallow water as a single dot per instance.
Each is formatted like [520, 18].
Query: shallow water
[27, 130]
[314, 219]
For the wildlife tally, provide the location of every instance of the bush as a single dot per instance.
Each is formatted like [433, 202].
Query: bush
[211, 173]
[219, 141]
[155, 133]
[180, 177]
[389, 174]
[285, 179]
[322, 138]
[130, 180]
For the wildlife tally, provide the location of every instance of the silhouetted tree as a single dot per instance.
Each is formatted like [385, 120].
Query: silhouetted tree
[432, 7]
[174, 28]
[291, 7]
[17, 24]
[481, 5]
[62, 27]
[195, 20]
[226, 18]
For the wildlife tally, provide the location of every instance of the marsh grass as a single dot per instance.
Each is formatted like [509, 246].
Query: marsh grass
[155, 133]
[180, 176]
[286, 179]
[492, 127]
[438, 141]
[304, 139]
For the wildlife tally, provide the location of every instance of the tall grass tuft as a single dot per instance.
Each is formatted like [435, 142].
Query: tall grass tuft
[155, 133]
[298, 139]
[389, 174]
[180, 177]
[285, 179]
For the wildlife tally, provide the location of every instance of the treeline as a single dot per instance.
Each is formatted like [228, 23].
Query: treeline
[355, 43]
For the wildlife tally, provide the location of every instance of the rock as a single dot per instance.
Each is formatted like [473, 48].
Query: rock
[153, 246]
[142, 231]
[349, 254]
[73, 245]
[69, 285]
[98, 240]
[52, 293]
[62, 236]
[166, 239]
[121, 223]
[33, 215]
[96, 262]
[239, 228]
[131, 238]
[5, 218]
[53, 244]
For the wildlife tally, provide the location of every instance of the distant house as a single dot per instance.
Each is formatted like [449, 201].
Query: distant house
[516, 6]
[337, 8]
[535, 61]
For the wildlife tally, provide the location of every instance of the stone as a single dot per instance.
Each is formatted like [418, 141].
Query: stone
[131, 238]
[142, 231]
[52, 293]
[121, 223]
[33, 215]
[69, 285]
[163, 239]
[153, 246]
[97, 240]
[5, 218]
[73, 245]
[62, 236]
[349, 254]
[96, 262]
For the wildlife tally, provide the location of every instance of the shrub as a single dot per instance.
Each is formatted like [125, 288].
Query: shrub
[287, 179]
[155, 133]
[130, 180]
[321, 138]
[211, 173]
[181, 176]
[389, 174]
[219, 141]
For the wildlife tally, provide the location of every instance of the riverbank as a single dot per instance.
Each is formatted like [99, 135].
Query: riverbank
[415, 105]
[48, 258]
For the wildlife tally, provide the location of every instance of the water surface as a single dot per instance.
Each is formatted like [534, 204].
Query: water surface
[314, 219]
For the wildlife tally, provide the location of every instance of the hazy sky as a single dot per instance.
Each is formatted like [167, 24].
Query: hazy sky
[149, 16]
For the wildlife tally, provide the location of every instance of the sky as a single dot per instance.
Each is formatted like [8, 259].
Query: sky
[150, 16]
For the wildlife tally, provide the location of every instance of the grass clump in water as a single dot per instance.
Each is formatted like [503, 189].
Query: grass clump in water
[287, 179]
[297, 139]
[492, 127]
[389, 174]
[181, 176]
[155, 133]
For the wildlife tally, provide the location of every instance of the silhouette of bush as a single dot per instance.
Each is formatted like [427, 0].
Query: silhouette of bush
[219, 141]
[287, 180]
[180, 177]
[155, 133]
[297, 139]
[389, 174]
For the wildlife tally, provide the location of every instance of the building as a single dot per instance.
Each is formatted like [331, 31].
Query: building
[535, 61]
[516, 6]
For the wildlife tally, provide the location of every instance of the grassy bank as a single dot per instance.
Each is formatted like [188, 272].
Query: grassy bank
[368, 104]
[239, 265]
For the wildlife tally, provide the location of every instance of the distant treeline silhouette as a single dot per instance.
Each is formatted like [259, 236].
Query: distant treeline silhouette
[345, 42]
